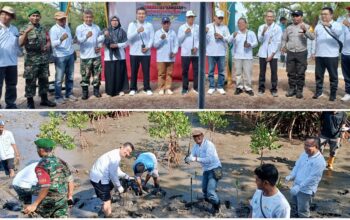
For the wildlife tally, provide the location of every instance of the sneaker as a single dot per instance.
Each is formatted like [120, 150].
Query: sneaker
[184, 92]
[290, 94]
[211, 91]
[59, 101]
[121, 94]
[274, 94]
[261, 93]
[132, 93]
[238, 91]
[222, 91]
[71, 98]
[317, 96]
[169, 92]
[161, 92]
[194, 91]
[346, 98]
[149, 92]
[250, 92]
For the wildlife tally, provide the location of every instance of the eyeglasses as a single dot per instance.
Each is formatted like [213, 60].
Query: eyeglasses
[220, 18]
[196, 136]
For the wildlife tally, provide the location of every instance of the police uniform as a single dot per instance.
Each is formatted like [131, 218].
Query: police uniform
[36, 63]
[52, 172]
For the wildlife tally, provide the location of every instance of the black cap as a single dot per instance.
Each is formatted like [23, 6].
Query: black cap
[165, 20]
[297, 13]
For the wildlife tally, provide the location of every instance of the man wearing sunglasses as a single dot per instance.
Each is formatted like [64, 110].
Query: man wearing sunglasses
[294, 43]
[307, 174]
[204, 152]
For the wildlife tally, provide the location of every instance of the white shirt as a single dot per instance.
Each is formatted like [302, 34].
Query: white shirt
[189, 40]
[166, 46]
[275, 206]
[88, 45]
[135, 39]
[206, 155]
[307, 172]
[271, 41]
[26, 178]
[240, 52]
[106, 168]
[217, 47]
[346, 39]
[121, 49]
[9, 46]
[64, 48]
[327, 46]
[6, 142]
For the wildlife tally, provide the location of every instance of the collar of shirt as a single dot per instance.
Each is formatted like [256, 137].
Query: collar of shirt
[60, 27]
[315, 155]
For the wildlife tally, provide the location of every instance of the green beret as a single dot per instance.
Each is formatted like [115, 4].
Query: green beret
[45, 143]
[33, 11]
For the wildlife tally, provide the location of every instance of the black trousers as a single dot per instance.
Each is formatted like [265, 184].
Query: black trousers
[345, 65]
[331, 65]
[185, 64]
[116, 77]
[296, 67]
[135, 62]
[10, 75]
[262, 74]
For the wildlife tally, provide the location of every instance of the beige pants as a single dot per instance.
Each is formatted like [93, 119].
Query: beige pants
[244, 74]
[165, 74]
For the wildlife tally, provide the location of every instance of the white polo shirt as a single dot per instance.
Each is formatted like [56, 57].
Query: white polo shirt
[88, 45]
[26, 178]
[188, 41]
[135, 39]
[165, 46]
[6, 149]
[326, 45]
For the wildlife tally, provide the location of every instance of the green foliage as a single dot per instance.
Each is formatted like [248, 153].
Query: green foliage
[77, 120]
[212, 119]
[51, 130]
[169, 125]
[262, 139]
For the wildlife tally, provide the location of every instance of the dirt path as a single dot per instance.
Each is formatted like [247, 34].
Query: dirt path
[332, 198]
[216, 101]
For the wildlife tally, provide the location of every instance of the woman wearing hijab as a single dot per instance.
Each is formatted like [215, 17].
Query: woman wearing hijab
[115, 63]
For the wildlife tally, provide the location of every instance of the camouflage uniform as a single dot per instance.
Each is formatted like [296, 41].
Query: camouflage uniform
[54, 205]
[36, 61]
[91, 67]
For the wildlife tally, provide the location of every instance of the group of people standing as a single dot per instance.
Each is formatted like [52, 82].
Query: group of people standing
[329, 37]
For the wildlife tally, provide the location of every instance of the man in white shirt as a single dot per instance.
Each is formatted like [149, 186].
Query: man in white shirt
[244, 41]
[204, 152]
[62, 49]
[326, 53]
[268, 201]
[140, 36]
[307, 174]
[104, 175]
[8, 150]
[8, 51]
[217, 39]
[166, 43]
[270, 36]
[90, 38]
[188, 35]
[345, 57]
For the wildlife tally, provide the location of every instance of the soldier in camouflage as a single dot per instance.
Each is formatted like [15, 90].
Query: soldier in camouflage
[36, 61]
[54, 179]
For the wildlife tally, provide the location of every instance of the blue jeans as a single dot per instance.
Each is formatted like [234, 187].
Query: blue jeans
[303, 202]
[220, 61]
[64, 67]
[345, 66]
[209, 184]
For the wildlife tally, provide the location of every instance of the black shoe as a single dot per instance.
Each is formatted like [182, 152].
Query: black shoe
[332, 98]
[97, 91]
[299, 96]
[290, 93]
[13, 106]
[184, 91]
[216, 209]
[238, 91]
[30, 103]
[250, 92]
[46, 102]
[85, 93]
[317, 96]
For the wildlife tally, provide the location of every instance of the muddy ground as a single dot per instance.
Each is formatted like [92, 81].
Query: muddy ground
[216, 101]
[331, 200]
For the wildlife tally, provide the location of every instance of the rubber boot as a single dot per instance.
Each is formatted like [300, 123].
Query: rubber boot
[85, 93]
[46, 102]
[97, 91]
[330, 162]
[216, 209]
[30, 103]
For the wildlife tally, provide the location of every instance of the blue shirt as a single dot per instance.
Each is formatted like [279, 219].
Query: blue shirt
[9, 46]
[148, 159]
[64, 48]
[326, 45]
[206, 155]
[346, 40]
